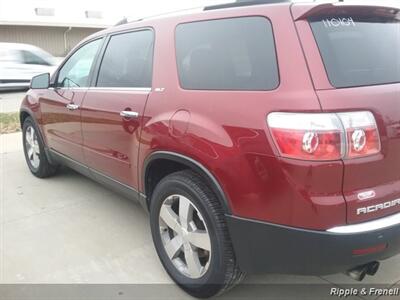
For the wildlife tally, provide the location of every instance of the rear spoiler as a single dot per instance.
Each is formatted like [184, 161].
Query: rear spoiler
[304, 11]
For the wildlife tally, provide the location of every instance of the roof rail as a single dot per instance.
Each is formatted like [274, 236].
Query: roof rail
[126, 20]
[123, 21]
[240, 3]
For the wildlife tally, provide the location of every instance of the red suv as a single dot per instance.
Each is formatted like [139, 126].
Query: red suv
[260, 137]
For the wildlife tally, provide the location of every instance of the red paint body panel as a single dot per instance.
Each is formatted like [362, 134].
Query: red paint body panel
[226, 131]
[61, 126]
[111, 143]
[379, 172]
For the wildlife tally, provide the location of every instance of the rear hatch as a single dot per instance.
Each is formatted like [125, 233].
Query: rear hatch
[353, 52]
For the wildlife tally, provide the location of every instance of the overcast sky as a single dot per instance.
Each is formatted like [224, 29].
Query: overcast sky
[112, 10]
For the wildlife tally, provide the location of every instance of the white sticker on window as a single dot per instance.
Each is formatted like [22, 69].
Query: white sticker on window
[339, 22]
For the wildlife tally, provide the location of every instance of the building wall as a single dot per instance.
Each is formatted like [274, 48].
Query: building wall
[50, 39]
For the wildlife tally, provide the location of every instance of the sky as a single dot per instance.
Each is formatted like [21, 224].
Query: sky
[112, 10]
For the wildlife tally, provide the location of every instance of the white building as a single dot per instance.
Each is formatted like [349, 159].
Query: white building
[55, 26]
[58, 25]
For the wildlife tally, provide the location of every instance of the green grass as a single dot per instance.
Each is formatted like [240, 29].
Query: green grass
[9, 122]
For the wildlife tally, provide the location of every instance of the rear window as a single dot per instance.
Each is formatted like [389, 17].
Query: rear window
[227, 54]
[359, 50]
[128, 61]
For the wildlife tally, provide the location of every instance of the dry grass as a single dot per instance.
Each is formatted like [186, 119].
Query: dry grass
[9, 123]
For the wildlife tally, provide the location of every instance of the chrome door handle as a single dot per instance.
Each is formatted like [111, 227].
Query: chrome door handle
[72, 106]
[129, 114]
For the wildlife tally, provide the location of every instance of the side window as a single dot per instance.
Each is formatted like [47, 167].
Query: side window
[75, 72]
[32, 58]
[128, 60]
[227, 54]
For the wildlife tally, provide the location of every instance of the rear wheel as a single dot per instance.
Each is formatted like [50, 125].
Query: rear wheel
[191, 237]
[34, 151]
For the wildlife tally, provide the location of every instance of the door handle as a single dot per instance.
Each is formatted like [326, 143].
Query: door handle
[72, 106]
[129, 114]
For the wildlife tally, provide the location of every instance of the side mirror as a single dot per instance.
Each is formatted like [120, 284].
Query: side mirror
[41, 81]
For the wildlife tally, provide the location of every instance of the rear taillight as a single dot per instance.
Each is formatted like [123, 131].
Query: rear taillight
[324, 136]
[361, 134]
[307, 136]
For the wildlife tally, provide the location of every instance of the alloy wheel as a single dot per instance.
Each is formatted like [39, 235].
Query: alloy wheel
[185, 237]
[32, 147]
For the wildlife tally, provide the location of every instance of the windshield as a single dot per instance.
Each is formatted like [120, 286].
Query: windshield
[359, 50]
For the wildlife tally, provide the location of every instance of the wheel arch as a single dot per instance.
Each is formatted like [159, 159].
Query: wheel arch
[177, 162]
[24, 113]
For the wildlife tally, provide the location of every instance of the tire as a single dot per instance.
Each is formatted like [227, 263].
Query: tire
[213, 271]
[34, 151]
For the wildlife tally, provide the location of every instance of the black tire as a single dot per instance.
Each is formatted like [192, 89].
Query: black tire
[44, 168]
[222, 272]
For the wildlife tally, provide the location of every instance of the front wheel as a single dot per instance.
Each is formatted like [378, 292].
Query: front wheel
[34, 151]
[191, 237]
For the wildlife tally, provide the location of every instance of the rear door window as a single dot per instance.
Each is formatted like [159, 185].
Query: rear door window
[227, 54]
[128, 61]
[359, 50]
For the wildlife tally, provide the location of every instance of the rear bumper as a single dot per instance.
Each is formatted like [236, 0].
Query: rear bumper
[268, 248]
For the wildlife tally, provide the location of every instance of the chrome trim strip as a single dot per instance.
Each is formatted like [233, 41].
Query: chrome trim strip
[368, 226]
[68, 88]
[95, 88]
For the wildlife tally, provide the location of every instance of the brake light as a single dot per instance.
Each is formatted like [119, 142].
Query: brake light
[362, 134]
[324, 136]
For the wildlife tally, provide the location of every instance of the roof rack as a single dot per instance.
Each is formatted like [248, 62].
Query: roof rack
[123, 21]
[240, 3]
[127, 20]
